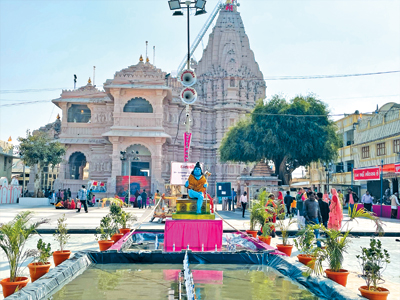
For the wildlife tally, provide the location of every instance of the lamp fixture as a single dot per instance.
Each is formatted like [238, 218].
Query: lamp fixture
[200, 12]
[174, 4]
[177, 13]
[200, 4]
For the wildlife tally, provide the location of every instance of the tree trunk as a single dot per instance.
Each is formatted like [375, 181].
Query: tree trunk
[280, 169]
[37, 182]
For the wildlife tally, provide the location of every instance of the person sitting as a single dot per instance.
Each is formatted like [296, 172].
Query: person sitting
[72, 205]
[59, 205]
[197, 185]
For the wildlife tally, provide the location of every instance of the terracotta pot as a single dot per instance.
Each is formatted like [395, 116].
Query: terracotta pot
[305, 259]
[116, 237]
[104, 245]
[287, 249]
[339, 277]
[252, 232]
[60, 256]
[125, 230]
[10, 287]
[380, 294]
[37, 270]
[265, 239]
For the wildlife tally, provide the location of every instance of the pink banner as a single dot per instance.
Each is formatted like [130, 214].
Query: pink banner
[195, 233]
[187, 138]
[367, 174]
[397, 168]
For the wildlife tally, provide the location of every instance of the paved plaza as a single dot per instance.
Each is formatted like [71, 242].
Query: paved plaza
[87, 222]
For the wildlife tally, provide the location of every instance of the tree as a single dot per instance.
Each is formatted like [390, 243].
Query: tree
[40, 150]
[290, 133]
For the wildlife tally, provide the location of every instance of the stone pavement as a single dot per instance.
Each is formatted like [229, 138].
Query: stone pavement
[89, 221]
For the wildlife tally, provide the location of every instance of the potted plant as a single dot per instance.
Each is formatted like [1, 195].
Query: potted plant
[373, 261]
[42, 266]
[336, 244]
[104, 233]
[62, 238]
[13, 236]
[304, 243]
[115, 213]
[266, 233]
[125, 220]
[285, 247]
[258, 216]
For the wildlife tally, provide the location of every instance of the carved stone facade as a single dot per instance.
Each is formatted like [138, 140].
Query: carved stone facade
[140, 106]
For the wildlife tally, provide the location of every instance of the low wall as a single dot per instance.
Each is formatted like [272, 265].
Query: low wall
[27, 201]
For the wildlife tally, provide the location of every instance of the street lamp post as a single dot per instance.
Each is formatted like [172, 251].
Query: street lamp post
[381, 173]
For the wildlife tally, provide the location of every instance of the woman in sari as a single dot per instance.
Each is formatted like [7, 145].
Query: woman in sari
[336, 214]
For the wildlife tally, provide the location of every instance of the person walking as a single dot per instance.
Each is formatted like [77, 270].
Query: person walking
[351, 199]
[243, 201]
[288, 202]
[394, 202]
[233, 199]
[312, 214]
[69, 194]
[340, 196]
[324, 208]
[144, 199]
[336, 212]
[300, 209]
[82, 196]
[367, 201]
[137, 195]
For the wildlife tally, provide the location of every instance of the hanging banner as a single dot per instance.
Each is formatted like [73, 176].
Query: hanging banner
[180, 172]
[367, 173]
[397, 168]
[187, 139]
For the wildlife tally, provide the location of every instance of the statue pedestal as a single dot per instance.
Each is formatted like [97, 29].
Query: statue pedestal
[198, 234]
[186, 210]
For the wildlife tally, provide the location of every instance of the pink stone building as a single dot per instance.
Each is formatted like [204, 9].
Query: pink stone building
[140, 113]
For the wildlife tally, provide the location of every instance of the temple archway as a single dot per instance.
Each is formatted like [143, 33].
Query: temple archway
[137, 161]
[77, 166]
[138, 105]
[79, 114]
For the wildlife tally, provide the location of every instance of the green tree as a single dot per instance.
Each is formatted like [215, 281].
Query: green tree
[40, 150]
[290, 133]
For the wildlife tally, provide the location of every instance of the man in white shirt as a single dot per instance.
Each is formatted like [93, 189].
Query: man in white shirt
[394, 203]
[367, 201]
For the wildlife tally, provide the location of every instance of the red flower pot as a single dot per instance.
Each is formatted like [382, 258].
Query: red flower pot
[380, 294]
[104, 245]
[37, 270]
[339, 277]
[116, 237]
[60, 256]
[265, 239]
[10, 287]
[252, 232]
[305, 259]
[287, 249]
[125, 230]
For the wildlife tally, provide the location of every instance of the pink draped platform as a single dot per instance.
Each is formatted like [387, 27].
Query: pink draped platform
[194, 233]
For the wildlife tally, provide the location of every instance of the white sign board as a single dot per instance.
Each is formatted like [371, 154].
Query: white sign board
[180, 172]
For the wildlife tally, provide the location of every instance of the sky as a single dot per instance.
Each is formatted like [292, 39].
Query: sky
[44, 43]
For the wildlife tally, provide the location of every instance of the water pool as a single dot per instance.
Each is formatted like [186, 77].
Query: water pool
[160, 281]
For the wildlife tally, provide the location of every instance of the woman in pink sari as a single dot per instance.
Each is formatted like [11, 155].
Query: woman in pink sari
[336, 214]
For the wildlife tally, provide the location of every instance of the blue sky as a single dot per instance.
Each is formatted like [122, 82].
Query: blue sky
[43, 43]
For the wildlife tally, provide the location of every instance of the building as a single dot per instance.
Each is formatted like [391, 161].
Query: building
[135, 126]
[6, 160]
[368, 140]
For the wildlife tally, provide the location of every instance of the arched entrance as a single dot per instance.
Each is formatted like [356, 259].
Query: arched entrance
[136, 161]
[77, 166]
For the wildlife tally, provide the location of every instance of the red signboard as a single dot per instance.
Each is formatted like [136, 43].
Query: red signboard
[367, 174]
[397, 168]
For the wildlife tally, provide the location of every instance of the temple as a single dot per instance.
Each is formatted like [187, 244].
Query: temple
[135, 126]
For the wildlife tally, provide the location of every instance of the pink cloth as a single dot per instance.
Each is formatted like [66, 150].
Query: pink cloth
[335, 214]
[280, 195]
[194, 233]
[351, 200]
[325, 197]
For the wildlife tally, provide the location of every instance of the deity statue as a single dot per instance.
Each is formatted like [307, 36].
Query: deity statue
[197, 184]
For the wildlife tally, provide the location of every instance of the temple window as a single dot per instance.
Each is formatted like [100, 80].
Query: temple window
[79, 114]
[138, 105]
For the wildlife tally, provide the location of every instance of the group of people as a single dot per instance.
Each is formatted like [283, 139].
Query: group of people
[141, 199]
[62, 199]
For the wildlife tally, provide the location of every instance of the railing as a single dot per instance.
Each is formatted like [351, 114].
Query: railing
[138, 121]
